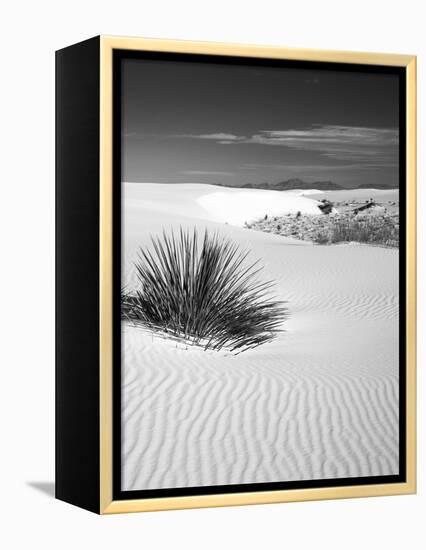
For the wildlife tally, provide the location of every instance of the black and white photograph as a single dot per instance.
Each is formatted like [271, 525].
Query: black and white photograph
[213, 259]
[260, 325]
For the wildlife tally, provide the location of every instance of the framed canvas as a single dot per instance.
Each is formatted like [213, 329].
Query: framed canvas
[235, 274]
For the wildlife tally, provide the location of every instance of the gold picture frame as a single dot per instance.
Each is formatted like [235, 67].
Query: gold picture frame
[107, 46]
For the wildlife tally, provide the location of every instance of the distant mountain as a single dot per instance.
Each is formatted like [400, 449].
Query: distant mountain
[297, 183]
[294, 183]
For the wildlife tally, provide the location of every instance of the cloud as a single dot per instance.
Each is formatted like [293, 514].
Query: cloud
[219, 137]
[356, 144]
[328, 136]
[344, 143]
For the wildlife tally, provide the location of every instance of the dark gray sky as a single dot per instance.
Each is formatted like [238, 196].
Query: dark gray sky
[212, 123]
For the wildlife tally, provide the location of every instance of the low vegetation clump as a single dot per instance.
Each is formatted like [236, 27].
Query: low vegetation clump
[371, 229]
[359, 223]
[202, 290]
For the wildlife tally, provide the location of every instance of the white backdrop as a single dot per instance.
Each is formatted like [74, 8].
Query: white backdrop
[30, 32]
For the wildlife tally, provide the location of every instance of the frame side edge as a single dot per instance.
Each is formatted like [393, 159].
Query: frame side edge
[105, 275]
[77, 356]
[411, 91]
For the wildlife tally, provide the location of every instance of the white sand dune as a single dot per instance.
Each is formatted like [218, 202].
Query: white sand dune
[238, 206]
[381, 195]
[320, 401]
[211, 202]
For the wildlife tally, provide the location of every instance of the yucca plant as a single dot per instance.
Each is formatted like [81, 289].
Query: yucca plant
[202, 290]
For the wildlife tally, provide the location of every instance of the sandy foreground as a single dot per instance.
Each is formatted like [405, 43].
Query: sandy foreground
[320, 401]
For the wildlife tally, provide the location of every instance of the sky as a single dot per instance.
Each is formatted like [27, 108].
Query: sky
[235, 124]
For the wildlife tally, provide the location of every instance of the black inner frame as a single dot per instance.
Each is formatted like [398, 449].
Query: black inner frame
[118, 494]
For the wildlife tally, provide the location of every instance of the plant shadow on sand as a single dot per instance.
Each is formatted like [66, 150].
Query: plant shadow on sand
[200, 290]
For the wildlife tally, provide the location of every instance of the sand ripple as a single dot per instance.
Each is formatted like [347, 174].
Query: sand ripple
[193, 421]
[321, 401]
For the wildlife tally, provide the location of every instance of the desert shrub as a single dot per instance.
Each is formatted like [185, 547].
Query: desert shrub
[202, 290]
[370, 229]
[321, 238]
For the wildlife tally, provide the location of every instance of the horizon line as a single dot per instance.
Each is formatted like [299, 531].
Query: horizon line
[240, 186]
